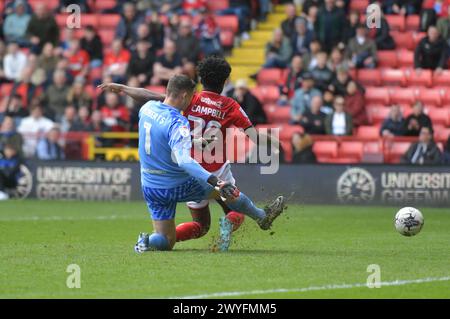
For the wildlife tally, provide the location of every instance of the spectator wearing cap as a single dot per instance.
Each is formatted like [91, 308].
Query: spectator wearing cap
[416, 120]
[293, 80]
[167, 64]
[339, 122]
[42, 28]
[394, 125]
[431, 52]
[313, 120]
[16, 24]
[92, 44]
[141, 64]
[14, 62]
[361, 50]
[302, 37]
[249, 103]
[288, 25]
[329, 25]
[424, 151]
[278, 51]
[302, 98]
[50, 147]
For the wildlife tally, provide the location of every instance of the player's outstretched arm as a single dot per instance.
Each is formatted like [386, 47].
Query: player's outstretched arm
[138, 94]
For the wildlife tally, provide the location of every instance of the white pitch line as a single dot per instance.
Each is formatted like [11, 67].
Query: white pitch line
[312, 288]
[65, 218]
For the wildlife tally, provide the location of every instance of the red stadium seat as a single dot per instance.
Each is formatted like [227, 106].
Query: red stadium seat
[369, 77]
[396, 22]
[442, 78]
[105, 4]
[218, 5]
[423, 78]
[325, 149]
[403, 96]
[387, 59]
[269, 76]
[109, 21]
[418, 36]
[430, 96]
[377, 95]
[267, 93]
[441, 134]
[393, 77]
[51, 4]
[403, 40]
[405, 59]
[107, 36]
[285, 130]
[359, 5]
[377, 113]
[227, 38]
[446, 97]
[413, 22]
[351, 149]
[277, 114]
[395, 151]
[368, 132]
[440, 116]
[228, 22]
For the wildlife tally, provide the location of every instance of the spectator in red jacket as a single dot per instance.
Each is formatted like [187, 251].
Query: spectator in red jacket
[354, 104]
[115, 115]
[116, 61]
[78, 59]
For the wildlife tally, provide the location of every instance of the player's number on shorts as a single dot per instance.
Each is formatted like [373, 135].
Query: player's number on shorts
[147, 127]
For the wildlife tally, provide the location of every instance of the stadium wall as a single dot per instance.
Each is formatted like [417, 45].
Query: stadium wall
[308, 184]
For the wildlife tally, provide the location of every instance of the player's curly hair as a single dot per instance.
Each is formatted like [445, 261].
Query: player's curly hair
[213, 71]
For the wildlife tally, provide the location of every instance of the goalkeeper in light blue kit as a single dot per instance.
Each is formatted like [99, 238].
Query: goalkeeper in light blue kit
[170, 175]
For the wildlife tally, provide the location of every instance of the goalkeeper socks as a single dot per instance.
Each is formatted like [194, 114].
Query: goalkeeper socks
[244, 205]
[236, 219]
[186, 231]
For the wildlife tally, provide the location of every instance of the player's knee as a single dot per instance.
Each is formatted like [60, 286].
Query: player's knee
[158, 241]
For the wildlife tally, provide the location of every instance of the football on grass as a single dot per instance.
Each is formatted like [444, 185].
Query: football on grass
[408, 221]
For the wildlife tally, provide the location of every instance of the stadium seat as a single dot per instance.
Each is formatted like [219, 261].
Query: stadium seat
[442, 78]
[104, 4]
[442, 134]
[108, 21]
[368, 132]
[413, 22]
[269, 76]
[227, 38]
[440, 116]
[387, 59]
[325, 149]
[285, 130]
[51, 4]
[228, 22]
[396, 22]
[405, 59]
[369, 77]
[393, 77]
[418, 36]
[360, 5]
[430, 96]
[423, 78]
[351, 149]
[377, 95]
[217, 5]
[377, 113]
[403, 96]
[107, 36]
[395, 151]
[267, 93]
[277, 114]
[403, 40]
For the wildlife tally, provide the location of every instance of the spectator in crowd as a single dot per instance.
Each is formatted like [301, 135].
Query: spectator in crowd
[129, 23]
[84, 118]
[340, 82]
[328, 101]
[351, 24]
[10, 6]
[10, 162]
[115, 115]
[402, 7]
[9, 135]
[172, 28]
[2, 57]
[302, 147]
[431, 52]
[439, 6]
[309, 58]
[92, 44]
[14, 62]
[311, 17]
[293, 80]
[78, 59]
[55, 96]
[97, 124]
[394, 125]
[321, 73]
[383, 38]
[339, 122]
[156, 30]
[425, 151]
[250, 103]
[165, 6]
[443, 26]
[329, 25]
[31, 127]
[116, 61]
[337, 60]
[49, 147]
[416, 120]
[47, 60]
[14, 108]
[16, 24]
[208, 33]
[302, 98]
[167, 64]
[308, 4]
[278, 51]
[42, 28]
[361, 50]
[313, 120]
[446, 153]
[70, 122]
[143, 34]
[77, 95]
[288, 25]
[141, 64]
[187, 44]
[83, 4]
[302, 37]
[355, 104]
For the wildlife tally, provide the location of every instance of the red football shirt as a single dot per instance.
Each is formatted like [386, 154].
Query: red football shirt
[209, 110]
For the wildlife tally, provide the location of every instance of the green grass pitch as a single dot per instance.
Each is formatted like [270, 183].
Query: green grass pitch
[311, 246]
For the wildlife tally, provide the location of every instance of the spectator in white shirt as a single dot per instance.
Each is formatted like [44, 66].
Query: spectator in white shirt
[33, 126]
[339, 122]
[14, 62]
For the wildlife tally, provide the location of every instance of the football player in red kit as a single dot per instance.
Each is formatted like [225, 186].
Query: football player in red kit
[208, 113]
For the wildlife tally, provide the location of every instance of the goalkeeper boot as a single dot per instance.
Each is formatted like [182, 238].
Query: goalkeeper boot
[226, 228]
[142, 244]
[273, 210]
